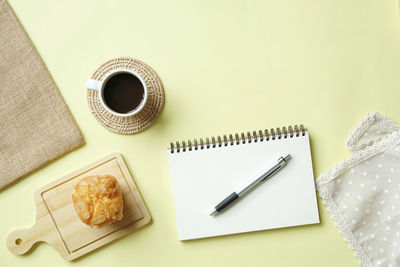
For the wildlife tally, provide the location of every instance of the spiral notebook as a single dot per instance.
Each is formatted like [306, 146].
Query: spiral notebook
[205, 171]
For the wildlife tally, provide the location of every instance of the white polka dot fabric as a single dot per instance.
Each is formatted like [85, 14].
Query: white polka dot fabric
[363, 192]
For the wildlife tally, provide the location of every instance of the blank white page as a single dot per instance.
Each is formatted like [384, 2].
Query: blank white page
[204, 177]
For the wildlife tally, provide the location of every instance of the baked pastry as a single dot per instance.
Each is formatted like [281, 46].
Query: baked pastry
[98, 200]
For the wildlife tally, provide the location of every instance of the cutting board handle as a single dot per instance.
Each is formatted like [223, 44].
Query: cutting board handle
[21, 241]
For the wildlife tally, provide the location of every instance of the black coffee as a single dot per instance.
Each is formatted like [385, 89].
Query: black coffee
[123, 93]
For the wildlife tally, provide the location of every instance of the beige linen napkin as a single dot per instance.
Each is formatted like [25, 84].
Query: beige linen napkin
[362, 193]
[35, 124]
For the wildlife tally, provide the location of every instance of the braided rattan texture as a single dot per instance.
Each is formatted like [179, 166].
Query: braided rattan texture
[147, 116]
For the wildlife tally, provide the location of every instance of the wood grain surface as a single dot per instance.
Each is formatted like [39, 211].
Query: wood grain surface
[58, 224]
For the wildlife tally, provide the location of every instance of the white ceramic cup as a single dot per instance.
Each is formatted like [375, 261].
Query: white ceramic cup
[100, 85]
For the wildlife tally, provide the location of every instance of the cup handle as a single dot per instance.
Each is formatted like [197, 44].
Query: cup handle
[93, 84]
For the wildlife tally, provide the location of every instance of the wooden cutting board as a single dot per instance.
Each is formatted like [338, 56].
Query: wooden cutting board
[58, 224]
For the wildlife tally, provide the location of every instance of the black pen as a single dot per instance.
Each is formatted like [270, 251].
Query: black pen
[280, 163]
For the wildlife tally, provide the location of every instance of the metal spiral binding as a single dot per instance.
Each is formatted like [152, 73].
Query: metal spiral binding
[236, 139]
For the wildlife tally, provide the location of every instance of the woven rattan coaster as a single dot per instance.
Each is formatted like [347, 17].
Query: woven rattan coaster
[150, 112]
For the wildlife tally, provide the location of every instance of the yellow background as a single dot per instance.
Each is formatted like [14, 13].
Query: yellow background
[226, 66]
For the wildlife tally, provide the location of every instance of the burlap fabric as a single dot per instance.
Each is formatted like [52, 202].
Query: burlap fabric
[35, 124]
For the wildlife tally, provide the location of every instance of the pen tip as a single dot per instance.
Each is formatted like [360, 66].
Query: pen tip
[213, 213]
[287, 157]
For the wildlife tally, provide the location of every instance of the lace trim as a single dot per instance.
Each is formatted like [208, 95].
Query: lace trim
[359, 156]
[343, 227]
[370, 150]
[363, 126]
